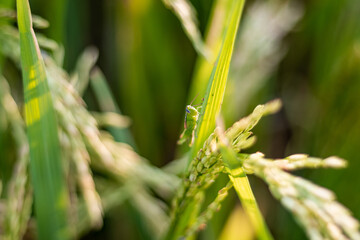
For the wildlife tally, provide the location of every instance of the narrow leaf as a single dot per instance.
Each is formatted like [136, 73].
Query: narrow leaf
[51, 197]
[216, 27]
[217, 83]
[246, 196]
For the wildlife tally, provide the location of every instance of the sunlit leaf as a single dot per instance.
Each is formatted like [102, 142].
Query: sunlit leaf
[217, 83]
[51, 197]
[243, 189]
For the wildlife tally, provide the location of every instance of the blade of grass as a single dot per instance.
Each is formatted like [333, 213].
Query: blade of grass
[243, 190]
[217, 83]
[51, 197]
[233, 164]
[221, 11]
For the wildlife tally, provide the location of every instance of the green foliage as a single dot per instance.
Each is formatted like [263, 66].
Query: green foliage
[217, 82]
[20, 197]
[216, 27]
[51, 196]
[209, 112]
[146, 64]
[237, 174]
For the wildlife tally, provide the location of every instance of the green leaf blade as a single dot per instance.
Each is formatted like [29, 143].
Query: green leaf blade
[216, 87]
[243, 189]
[51, 197]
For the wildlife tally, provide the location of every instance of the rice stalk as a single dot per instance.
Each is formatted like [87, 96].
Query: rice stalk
[243, 189]
[314, 207]
[19, 193]
[206, 124]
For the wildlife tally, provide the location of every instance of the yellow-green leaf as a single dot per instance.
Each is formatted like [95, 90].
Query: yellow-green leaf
[217, 83]
[243, 189]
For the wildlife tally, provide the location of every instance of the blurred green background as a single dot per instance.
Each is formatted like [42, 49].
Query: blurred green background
[306, 53]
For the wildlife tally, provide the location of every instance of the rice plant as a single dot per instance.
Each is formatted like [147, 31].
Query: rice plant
[73, 164]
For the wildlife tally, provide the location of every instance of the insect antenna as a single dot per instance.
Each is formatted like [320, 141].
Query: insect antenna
[194, 98]
[202, 101]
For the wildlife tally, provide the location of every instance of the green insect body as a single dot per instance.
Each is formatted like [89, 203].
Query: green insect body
[191, 117]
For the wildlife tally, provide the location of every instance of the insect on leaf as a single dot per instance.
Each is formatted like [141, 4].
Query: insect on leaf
[217, 83]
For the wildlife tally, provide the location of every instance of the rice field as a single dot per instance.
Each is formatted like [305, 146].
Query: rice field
[179, 119]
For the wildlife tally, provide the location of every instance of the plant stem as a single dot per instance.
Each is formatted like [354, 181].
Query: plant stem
[243, 189]
[248, 201]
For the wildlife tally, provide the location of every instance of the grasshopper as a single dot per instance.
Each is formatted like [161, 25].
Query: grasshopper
[190, 123]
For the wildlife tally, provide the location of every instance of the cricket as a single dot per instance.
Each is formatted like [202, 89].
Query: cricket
[190, 123]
